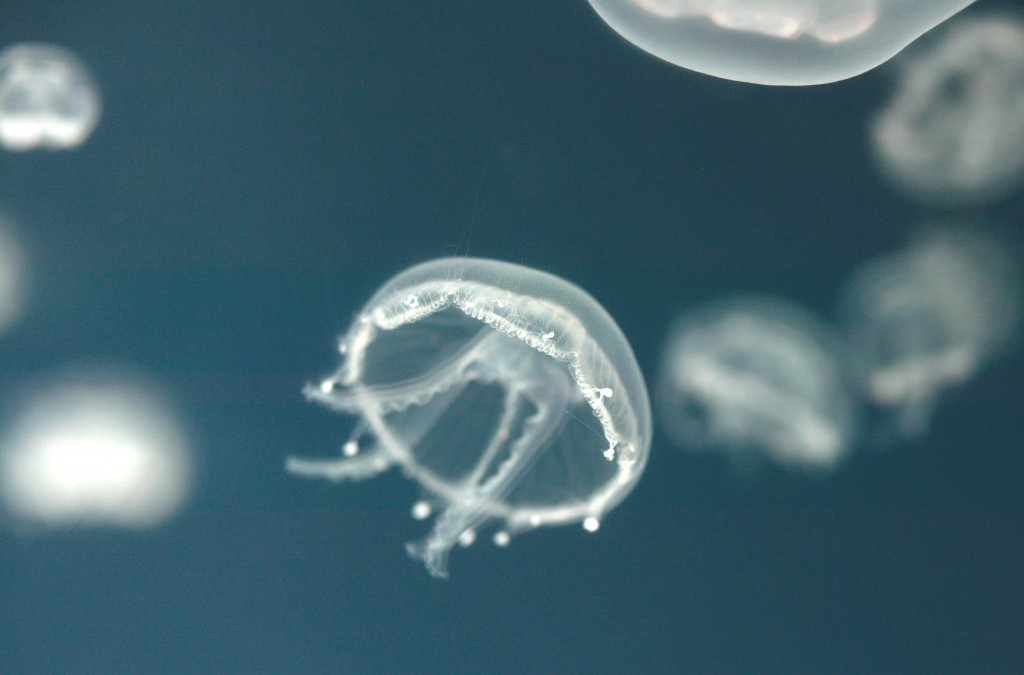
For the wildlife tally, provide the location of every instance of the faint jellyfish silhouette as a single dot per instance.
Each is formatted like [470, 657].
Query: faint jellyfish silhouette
[757, 378]
[925, 319]
[508, 394]
[953, 132]
[13, 273]
[48, 99]
[95, 447]
[778, 42]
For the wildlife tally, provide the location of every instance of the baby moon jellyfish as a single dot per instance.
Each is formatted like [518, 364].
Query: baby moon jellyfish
[508, 394]
[781, 42]
[953, 133]
[48, 98]
[94, 446]
[756, 377]
[927, 318]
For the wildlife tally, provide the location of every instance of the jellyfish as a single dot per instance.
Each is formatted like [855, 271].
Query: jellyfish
[508, 394]
[95, 446]
[48, 99]
[778, 42]
[925, 319]
[953, 132]
[13, 276]
[757, 378]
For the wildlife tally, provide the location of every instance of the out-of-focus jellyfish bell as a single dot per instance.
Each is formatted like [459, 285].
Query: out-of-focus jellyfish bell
[508, 394]
[13, 273]
[780, 42]
[953, 132]
[925, 319]
[90, 447]
[48, 99]
[757, 377]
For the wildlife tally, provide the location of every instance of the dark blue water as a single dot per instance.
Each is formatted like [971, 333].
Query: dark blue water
[261, 168]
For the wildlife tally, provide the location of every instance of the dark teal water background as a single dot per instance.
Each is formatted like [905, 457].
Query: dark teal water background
[261, 168]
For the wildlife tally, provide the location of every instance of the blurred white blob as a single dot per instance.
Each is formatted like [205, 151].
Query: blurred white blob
[756, 377]
[13, 272]
[48, 99]
[91, 447]
[927, 318]
[953, 132]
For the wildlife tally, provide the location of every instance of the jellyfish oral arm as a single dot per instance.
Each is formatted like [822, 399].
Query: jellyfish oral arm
[365, 465]
[480, 495]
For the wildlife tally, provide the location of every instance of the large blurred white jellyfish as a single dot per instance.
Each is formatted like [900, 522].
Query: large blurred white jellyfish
[756, 378]
[953, 132]
[93, 448]
[508, 394]
[780, 42]
[925, 319]
[13, 273]
[48, 99]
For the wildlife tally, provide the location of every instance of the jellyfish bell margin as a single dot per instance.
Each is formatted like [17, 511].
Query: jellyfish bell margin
[775, 43]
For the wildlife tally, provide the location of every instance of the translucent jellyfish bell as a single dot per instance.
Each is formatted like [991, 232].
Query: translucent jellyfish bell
[508, 394]
[953, 132]
[48, 99]
[781, 42]
[926, 319]
[756, 377]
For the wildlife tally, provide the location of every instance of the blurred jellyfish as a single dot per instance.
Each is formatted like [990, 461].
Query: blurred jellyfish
[757, 378]
[13, 272]
[94, 448]
[953, 133]
[925, 319]
[780, 42]
[507, 393]
[48, 99]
